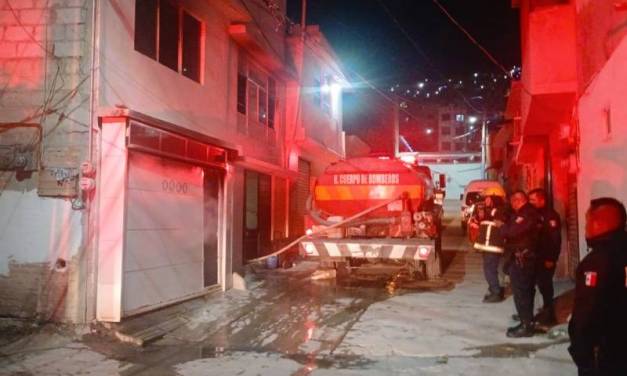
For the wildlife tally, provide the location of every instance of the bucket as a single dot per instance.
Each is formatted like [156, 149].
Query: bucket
[272, 262]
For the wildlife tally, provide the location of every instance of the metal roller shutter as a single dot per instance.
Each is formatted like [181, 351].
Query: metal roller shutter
[298, 197]
[163, 260]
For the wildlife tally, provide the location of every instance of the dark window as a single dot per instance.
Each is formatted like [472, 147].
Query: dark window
[263, 106]
[271, 102]
[446, 131]
[446, 146]
[191, 47]
[158, 36]
[446, 117]
[459, 146]
[145, 136]
[168, 35]
[146, 27]
[241, 94]
[172, 144]
[459, 131]
[196, 150]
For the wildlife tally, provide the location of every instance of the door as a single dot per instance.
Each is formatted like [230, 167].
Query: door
[163, 254]
[298, 197]
[212, 187]
[257, 214]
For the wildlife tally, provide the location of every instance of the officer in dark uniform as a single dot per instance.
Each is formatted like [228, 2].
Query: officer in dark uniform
[520, 233]
[548, 251]
[598, 327]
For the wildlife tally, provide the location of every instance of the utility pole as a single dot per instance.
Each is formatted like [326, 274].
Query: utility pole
[303, 17]
[484, 146]
[396, 127]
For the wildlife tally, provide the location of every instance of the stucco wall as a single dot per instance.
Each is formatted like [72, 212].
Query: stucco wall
[457, 176]
[603, 136]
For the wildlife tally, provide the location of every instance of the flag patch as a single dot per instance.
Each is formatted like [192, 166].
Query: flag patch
[591, 279]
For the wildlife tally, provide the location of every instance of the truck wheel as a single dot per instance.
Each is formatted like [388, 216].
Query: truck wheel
[434, 265]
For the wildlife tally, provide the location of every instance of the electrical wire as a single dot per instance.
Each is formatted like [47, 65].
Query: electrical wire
[471, 38]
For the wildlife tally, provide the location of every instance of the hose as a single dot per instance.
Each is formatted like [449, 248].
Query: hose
[334, 225]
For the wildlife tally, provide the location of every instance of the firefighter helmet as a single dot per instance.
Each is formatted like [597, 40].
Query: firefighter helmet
[493, 191]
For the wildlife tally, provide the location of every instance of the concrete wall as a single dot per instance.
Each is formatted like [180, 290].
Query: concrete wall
[457, 176]
[603, 136]
[128, 78]
[44, 69]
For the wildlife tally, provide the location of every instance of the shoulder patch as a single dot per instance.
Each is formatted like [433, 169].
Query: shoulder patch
[591, 279]
[553, 223]
[519, 219]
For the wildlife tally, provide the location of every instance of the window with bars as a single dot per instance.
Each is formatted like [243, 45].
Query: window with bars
[170, 35]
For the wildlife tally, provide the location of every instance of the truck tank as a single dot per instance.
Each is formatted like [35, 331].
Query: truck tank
[353, 185]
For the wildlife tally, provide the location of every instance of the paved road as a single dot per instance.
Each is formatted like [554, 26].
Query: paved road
[290, 325]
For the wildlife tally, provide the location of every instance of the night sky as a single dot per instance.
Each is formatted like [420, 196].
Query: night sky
[368, 41]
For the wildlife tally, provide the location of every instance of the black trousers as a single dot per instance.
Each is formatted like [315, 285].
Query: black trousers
[523, 276]
[544, 281]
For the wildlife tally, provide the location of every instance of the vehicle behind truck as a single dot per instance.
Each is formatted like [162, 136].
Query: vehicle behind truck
[403, 230]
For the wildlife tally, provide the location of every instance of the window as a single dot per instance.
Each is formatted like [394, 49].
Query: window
[446, 117]
[169, 35]
[459, 131]
[459, 146]
[446, 146]
[192, 30]
[459, 118]
[446, 131]
[256, 94]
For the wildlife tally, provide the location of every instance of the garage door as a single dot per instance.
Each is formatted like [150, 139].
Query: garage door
[163, 258]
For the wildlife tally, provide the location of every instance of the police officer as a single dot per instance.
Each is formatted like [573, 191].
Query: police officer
[520, 233]
[598, 327]
[548, 251]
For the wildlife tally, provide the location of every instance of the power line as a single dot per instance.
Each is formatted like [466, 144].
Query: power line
[422, 53]
[471, 38]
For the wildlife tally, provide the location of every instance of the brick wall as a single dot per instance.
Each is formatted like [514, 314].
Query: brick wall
[45, 63]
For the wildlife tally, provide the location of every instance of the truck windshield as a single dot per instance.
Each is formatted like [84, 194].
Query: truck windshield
[472, 197]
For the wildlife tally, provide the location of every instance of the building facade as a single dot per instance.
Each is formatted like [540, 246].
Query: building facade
[150, 148]
[566, 128]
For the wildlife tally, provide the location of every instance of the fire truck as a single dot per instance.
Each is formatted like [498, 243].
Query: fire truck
[373, 210]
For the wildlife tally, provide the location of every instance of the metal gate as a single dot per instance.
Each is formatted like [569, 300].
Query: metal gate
[298, 196]
[163, 260]
[572, 229]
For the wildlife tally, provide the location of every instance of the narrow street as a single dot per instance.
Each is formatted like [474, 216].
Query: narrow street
[287, 324]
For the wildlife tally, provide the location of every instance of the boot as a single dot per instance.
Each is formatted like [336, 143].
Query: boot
[524, 329]
[546, 316]
[493, 298]
[515, 317]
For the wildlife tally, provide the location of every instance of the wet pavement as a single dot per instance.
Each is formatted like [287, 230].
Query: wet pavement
[289, 325]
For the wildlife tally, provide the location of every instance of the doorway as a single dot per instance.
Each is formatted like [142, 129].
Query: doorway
[257, 214]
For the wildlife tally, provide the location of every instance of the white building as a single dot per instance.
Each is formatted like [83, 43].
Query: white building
[148, 150]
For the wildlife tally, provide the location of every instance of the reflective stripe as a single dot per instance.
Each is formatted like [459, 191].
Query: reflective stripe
[397, 251]
[365, 192]
[334, 250]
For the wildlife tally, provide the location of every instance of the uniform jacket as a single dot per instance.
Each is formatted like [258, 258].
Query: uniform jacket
[520, 230]
[599, 318]
[549, 234]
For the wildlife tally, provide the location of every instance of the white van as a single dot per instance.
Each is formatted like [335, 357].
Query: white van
[472, 194]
